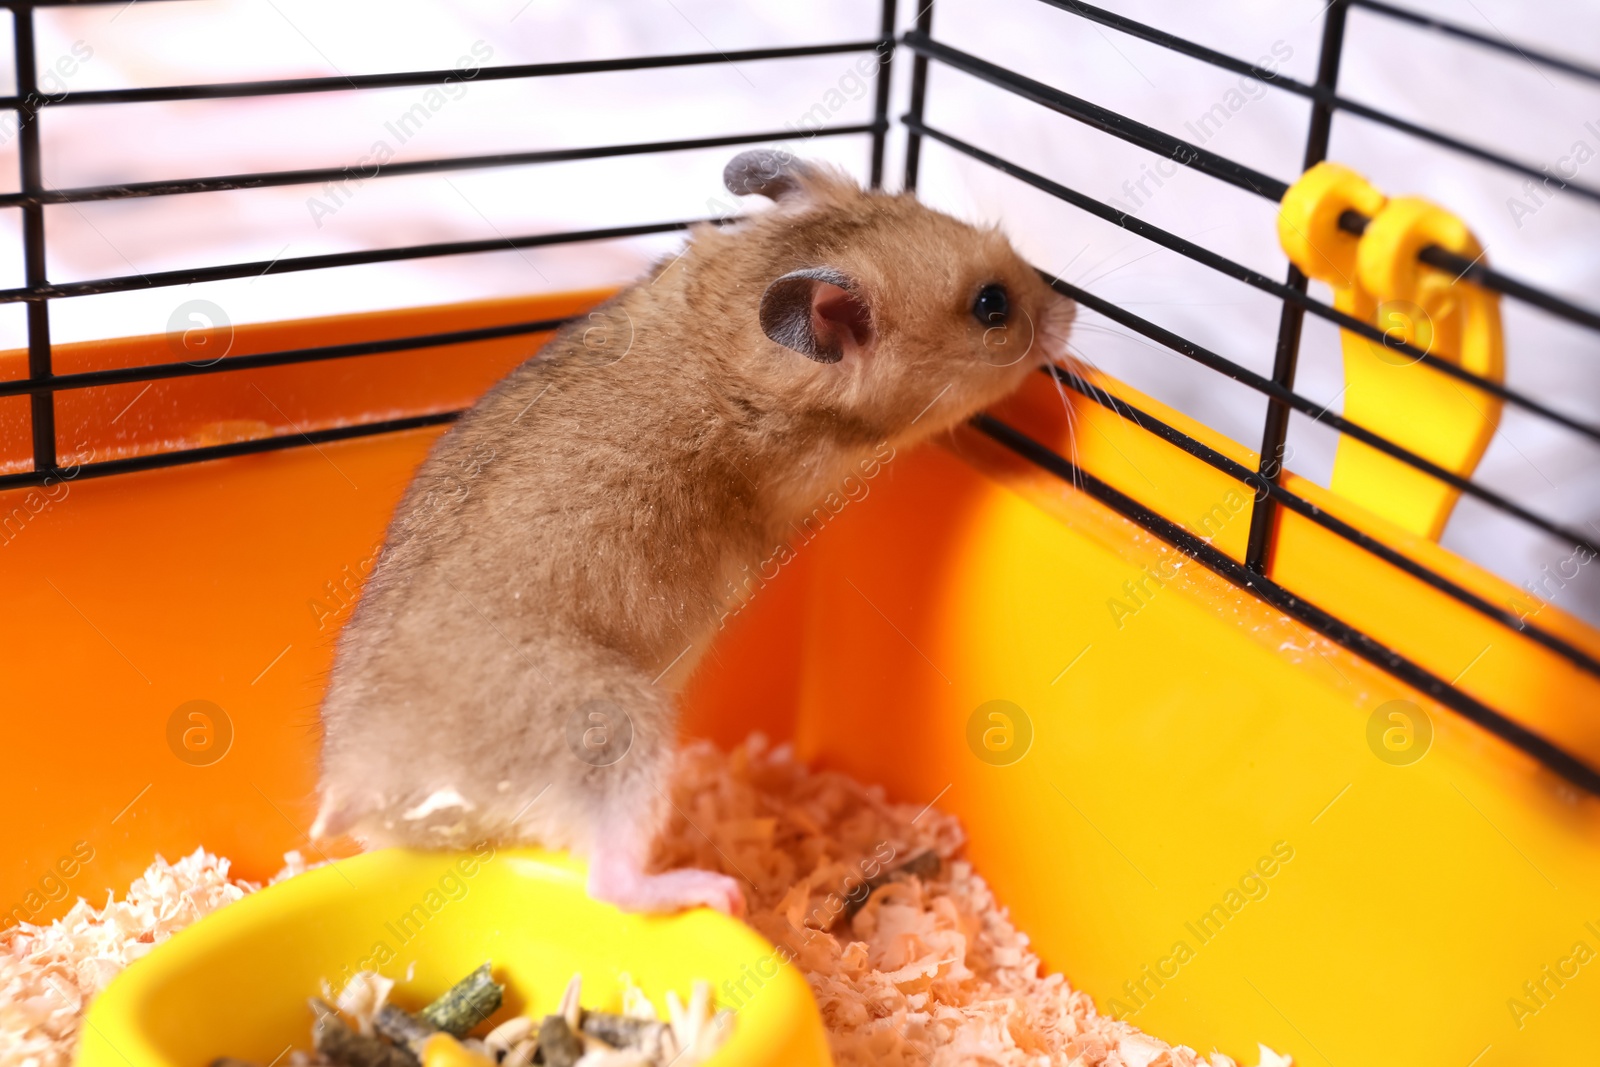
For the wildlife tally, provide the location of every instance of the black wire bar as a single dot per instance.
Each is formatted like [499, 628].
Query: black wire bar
[312, 176]
[1513, 733]
[30, 167]
[181, 457]
[1101, 118]
[151, 372]
[1319, 94]
[411, 78]
[1291, 316]
[919, 95]
[259, 268]
[1197, 158]
[1499, 44]
[880, 99]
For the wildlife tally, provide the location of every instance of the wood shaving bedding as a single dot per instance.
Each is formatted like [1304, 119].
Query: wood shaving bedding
[48, 974]
[928, 973]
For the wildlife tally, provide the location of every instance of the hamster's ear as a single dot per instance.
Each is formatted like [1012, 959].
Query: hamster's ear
[819, 313]
[765, 172]
[780, 177]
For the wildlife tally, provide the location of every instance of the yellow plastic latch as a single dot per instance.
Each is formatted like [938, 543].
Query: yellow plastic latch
[1377, 278]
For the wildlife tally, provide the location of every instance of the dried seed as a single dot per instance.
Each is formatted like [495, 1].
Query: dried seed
[348, 1048]
[924, 864]
[401, 1027]
[622, 1031]
[560, 1046]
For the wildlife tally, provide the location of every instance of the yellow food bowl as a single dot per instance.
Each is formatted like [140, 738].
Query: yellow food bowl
[236, 984]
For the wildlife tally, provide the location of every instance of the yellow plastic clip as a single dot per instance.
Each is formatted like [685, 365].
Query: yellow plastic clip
[1377, 278]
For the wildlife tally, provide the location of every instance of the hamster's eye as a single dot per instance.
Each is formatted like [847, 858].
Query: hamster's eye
[992, 305]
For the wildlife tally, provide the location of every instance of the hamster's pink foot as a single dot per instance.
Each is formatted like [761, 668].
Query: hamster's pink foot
[633, 890]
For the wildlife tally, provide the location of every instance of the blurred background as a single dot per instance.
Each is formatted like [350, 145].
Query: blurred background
[1537, 116]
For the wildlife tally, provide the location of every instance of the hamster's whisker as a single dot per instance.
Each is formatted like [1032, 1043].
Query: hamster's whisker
[1102, 261]
[1122, 336]
[1060, 340]
[1072, 429]
[1100, 327]
[1073, 260]
[1106, 274]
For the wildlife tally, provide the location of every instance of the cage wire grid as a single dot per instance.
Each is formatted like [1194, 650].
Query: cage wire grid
[1253, 574]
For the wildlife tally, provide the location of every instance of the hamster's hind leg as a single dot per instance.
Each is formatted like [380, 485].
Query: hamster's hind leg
[627, 806]
[617, 876]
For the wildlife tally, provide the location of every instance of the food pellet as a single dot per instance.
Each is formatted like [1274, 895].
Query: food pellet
[572, 1036]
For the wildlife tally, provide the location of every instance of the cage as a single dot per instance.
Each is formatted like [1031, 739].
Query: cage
[1207, 665]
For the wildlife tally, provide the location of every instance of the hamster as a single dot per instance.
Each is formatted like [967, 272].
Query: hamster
[565, 552]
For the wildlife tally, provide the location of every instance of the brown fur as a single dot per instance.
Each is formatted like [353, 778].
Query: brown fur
[582, 526]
